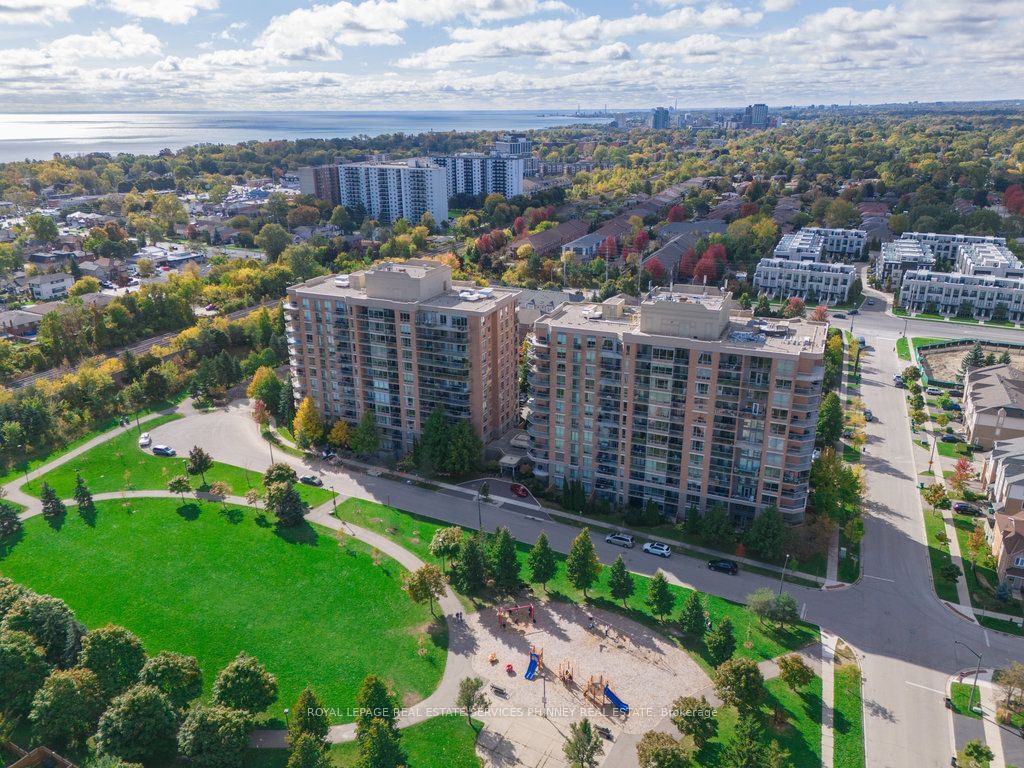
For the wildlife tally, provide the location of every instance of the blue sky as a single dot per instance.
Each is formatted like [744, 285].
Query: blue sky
[501, 54]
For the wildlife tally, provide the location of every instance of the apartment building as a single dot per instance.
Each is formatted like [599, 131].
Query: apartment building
[674, 399]
[476, 173]
[519, 146]
[395, 189]
[321, 181]
[946, 293]
[812, 281]
[988, 259]
[802, 245]
[822, 243]
[899, 256]
[993, 404]
[946, 247]
[400, 340]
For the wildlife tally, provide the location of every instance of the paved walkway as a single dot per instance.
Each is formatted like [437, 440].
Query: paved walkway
[828, 698]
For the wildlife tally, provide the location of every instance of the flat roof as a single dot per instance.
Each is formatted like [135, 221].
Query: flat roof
[455, 300]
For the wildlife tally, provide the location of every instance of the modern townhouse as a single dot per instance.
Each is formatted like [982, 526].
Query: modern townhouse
[899, 256]
[812, 281]
[675, 399]
[988, 259]
[981, 297]
[946, 246]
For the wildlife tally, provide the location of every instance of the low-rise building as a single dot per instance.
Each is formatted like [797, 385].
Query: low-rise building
[813, 281]
[51, 286]
[1007, 539]
[1002, 475]
[946, 246]
[584, 249]
[981, 297]
[675, 400]
[988, 259]
[993, 404]
[844, 244]
[899, 256]
[802, 245]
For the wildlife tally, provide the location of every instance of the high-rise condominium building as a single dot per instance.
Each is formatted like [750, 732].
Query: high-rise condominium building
[659, 118]
[401, 340]
[321, 181]
[475, 173]
[674, 399]
[397, 189]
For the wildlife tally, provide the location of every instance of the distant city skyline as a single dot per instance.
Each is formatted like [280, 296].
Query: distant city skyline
[499, 54]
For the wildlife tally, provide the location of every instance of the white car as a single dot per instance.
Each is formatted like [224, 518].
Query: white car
[620, 540]
[933, 391]
[145, 440]
[658, 548]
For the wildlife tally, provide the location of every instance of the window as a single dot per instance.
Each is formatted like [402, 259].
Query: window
[1019, 562]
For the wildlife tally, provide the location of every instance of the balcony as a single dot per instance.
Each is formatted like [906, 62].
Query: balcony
[536, 456]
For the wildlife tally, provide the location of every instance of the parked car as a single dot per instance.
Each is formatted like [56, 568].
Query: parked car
[950, 439]
[106, 284]
[311, 480]
[658, 548]
[620, 540]
[848, 432]
[933, 391]
[816, 454]
[871, 302]
[966, 508]
[724, 566]
[327, 453]
[952, 407]
[868, 415]
[520, 490]
[145, 440]
[212, 308]
[520, 441]
[163, 450]
[839, 315]
[854, 311]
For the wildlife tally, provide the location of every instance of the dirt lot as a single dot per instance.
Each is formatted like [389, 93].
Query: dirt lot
[944, 365]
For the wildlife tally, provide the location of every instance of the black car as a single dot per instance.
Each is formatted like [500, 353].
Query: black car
[163, 450]
[966, 508]
[724, 566]
[950, 439]
[311, 480]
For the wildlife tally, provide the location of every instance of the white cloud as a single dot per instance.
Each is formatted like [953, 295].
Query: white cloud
[125, 42]
[774, 6]
[168, 11]
[37, 11]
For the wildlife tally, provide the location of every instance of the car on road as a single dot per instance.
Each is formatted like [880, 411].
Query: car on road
[839, 315]
[327, 453]
[311, 480]
[134, 281]
[952, 407]
[164, 450]
[868, 415]
[145, 440]
[106, 284]
[854, 311]
[659, 548]
[966, 508]
[871, 302]
[724, 566]
[520, 490]
[620, 540]
[950, 439]
[933, 391]
[848, 432]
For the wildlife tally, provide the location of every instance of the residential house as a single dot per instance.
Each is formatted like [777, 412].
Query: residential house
[50, 286]
[993, 404]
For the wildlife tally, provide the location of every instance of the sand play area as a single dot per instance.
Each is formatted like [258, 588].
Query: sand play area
[580, 651]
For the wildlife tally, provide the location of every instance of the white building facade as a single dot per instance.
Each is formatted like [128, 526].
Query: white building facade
[812, 281]
[985, 297]
[392, 190]
[475, 173]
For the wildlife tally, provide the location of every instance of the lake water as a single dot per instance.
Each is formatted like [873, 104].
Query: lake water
[39, 136]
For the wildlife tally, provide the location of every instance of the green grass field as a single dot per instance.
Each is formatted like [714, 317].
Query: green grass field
[447, 741]
[1001, 625]
[961, 695]
[849, 718]
[414, 533]
[938, 555]
[903, 348]
[800, 735]
[120, 464]
[210, 580]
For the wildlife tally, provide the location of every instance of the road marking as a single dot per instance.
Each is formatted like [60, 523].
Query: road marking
[987, 643]
[803, 612]
[925, 687]
[880, 578]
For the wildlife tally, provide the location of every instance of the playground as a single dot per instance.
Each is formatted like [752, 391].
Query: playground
[586, 662]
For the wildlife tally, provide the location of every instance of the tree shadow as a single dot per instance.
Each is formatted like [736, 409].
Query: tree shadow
[57, 521]
[302, 533]
[233, 515]
[88, 516]
[263, 521]
[189, 511]
[10, 542]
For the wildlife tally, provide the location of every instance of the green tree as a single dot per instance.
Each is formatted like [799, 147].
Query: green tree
[265, 386]
[505, 566]
[43, 228]
[830, 420]
[426, 584]
[53, 507]
[583, 745]
[66, 707]
[279, 473]
[975, 754]
[245, 684]
[284, 501]
[445, 543]
[308, 426]
[155, 385]
[180, 484]
[23, 669]
[380, 746]
[975, 358]
[761, 603]
[471, 570]
[83, 498]
[794, 671]
[115, 655]
[199, 461]
[309, 752]
[178, 677]
[659, 750]
[432, 449]
[471, 697]
[214, 737]
[285, 407]
[747, 747]
[950, 572]
[716, 530]
[365, 440]
[739, 683]
[695, 718]
[464, 449]
[620, 582]
[767, 535]
[374, 702]
[308, 718]
[10, 522]
[659, 597]
[692, 620]
[721, 642]
[273, 239]
[581, 565]
[139, 726]
[541, 561]
[50, 623]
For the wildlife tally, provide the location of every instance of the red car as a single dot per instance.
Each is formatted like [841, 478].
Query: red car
[520, 490]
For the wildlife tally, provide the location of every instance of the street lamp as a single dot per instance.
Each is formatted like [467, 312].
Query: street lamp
[479, 514]
[977, 671]
[782, 578]
[286, 717]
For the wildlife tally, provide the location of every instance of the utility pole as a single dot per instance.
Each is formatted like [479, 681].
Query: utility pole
[977, 671]
[782, 578]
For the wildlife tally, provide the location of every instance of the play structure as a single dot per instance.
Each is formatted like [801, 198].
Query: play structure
[517, 614]
[536, 663]
[567, 671]
[599, 691]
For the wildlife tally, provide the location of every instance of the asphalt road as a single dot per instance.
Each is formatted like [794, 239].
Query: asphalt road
[891, 616]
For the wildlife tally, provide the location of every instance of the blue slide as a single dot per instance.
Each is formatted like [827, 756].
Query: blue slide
[618, 703]
[531, 670]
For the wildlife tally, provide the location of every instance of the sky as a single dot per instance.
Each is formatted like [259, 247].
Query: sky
[124, 55]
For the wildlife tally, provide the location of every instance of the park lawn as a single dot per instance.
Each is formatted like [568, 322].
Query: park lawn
[1000, 625]
[753, 640]
[801, 734]
[851, 453]
[119, 464]
[960, 693]
[921, 341]
[903, 348]
[209, 580]
[848, 746]
[981, 596]
[953, 450]
[938, 555]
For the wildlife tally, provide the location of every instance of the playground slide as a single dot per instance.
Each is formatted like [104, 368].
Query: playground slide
[531, 670]
[618, 703]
